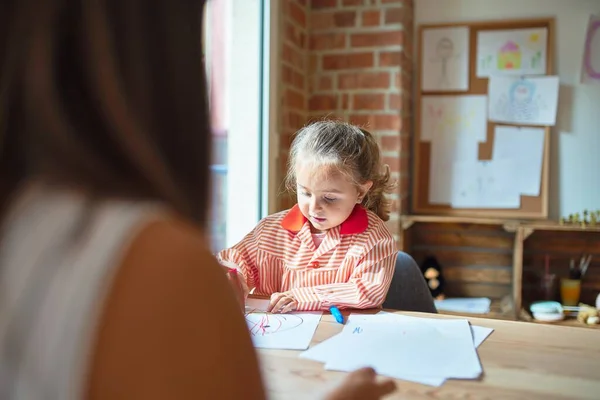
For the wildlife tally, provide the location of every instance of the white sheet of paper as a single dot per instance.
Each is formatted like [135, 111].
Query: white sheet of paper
[445, 59]
[511, 52]
[328, 349]
[485, 184]
[410, 350]
[293, 331]
[590, 66]
[523, 100]
[474, 305]
[525, 146]
[454, 125]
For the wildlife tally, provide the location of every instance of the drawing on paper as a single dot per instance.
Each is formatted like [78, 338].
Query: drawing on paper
[522, 102]
[507, 52]
[445, 59]
[263, 323]
[591, 58]
[531, 101]
[444, 53]
[443, 116]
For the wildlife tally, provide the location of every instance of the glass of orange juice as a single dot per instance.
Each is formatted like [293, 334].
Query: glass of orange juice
[570, 290]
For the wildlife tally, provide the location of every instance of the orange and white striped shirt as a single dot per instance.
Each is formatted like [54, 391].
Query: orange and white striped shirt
[351, 268]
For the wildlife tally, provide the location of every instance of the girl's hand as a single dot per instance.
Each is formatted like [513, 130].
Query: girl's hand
[282, 303]
[362, 385]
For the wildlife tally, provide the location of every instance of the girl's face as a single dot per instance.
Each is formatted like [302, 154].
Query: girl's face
[326, 200]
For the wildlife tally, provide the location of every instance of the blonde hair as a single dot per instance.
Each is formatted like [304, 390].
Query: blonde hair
[349, 150]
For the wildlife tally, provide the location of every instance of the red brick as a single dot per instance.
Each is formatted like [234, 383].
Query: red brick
[286, 74]
[293, 99]
[325, 83]
[296, 120]
[313, 65]
[389, 58]
[390, 143]
[345, 101]
[393, 102]
[327, 41]
[344, 19]
[298, 80]
[293, 35]
[384, 122]
[358, 2]
[405, 145]
[394, 15]
[321, 20]
[286, 53]
[375, 39]
[364, 80]
[368, 101]
[323, 3]
[347, 61]
[326, 20]
[297, 13]
[397, 80]
[322, 102]
[371, 18]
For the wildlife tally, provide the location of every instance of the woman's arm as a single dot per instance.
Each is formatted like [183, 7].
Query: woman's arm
[171, 327]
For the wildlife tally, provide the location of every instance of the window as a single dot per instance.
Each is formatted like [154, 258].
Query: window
[234, 48]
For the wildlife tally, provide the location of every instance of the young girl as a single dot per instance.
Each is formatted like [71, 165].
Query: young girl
[332, 248]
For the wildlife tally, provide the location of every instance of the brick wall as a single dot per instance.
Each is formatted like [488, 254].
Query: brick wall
[357, 57]
[293, 78]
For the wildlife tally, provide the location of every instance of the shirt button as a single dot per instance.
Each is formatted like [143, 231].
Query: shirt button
[315, 264]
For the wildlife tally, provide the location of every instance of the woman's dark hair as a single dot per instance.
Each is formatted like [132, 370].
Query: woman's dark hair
[108, 96]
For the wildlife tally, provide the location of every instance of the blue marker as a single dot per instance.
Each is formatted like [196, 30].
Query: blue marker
[337, 314]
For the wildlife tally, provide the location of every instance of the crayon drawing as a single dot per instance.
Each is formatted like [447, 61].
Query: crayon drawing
[530, 101]
[590, 72]
[262, 323]
[512, 52]
[293, 331]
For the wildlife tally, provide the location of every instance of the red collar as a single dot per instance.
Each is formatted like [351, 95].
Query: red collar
[357, 222]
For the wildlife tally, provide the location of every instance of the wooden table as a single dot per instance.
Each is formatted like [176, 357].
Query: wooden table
[520, 361]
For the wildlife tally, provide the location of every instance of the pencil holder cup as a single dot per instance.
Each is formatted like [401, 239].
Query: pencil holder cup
[570, 290]
[548, 289]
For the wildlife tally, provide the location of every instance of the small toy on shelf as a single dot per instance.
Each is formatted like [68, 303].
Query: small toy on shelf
[432, 272]
[587, 314]
[584, 219]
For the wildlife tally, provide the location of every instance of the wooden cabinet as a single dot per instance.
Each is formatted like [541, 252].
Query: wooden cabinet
[501, 259]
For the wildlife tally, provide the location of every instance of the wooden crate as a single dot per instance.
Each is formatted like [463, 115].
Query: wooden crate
[560, 246]
[476, 257]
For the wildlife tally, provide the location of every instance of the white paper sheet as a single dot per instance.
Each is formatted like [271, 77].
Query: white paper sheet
[293, 331]
[445, 59]
[388, 322]
[523, 100]
[590, 66]
[485, 184]
[473, 305]
[511, 52]
[454, 125]
[525, 147]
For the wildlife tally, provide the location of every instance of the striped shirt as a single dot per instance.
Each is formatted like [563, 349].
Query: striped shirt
[351, 268]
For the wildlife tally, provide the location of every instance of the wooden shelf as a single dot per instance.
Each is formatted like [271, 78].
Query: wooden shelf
[485, 257]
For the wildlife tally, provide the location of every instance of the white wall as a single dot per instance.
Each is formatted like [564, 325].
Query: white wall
[575, 145]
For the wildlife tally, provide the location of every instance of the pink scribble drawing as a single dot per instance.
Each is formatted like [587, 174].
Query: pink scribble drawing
[262, 323]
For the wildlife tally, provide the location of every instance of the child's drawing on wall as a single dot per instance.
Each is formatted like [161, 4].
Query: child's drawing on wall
[509, 56]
